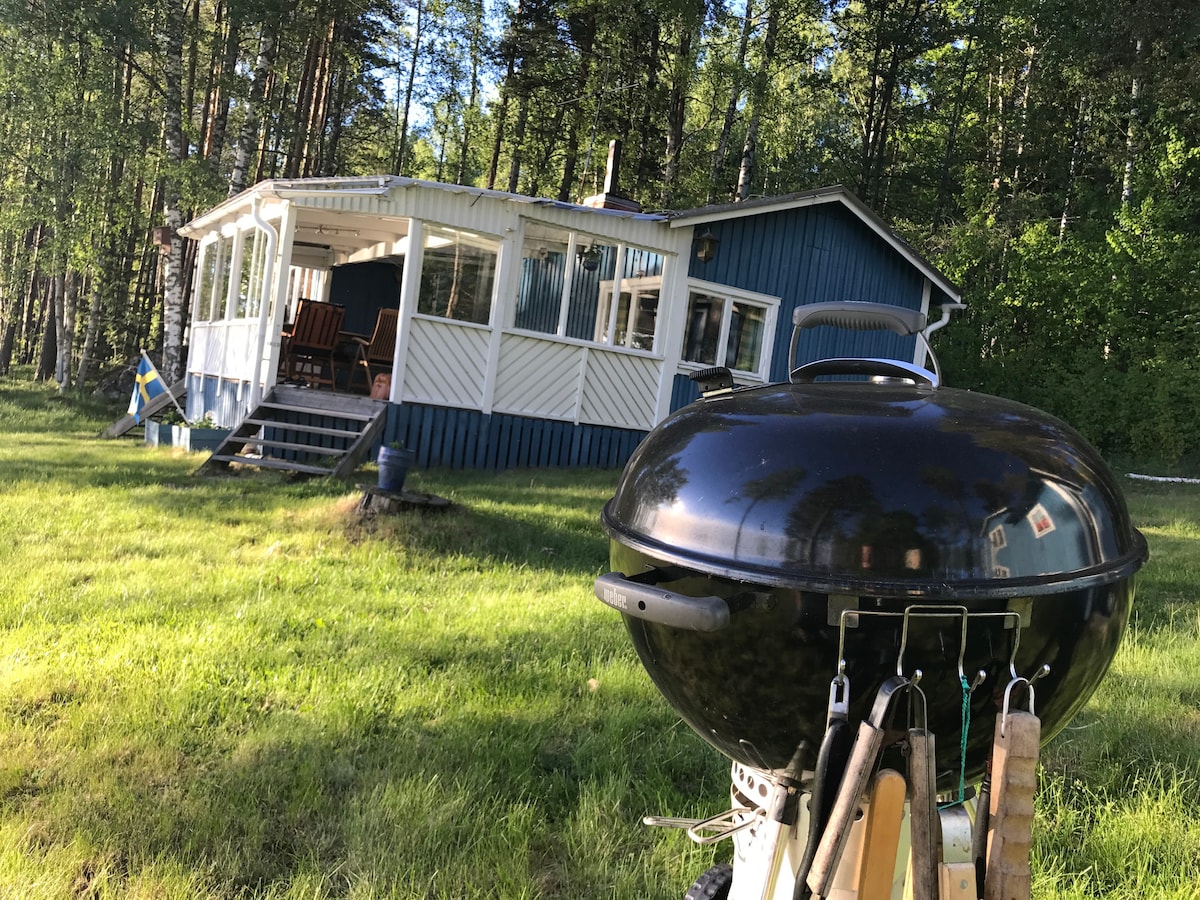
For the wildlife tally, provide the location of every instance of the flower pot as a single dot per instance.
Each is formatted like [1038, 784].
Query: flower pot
[393, 468]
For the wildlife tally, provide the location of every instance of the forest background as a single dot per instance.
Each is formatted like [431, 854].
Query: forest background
[1045, 154]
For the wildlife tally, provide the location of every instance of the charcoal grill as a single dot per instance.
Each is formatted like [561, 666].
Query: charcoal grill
[779, 553]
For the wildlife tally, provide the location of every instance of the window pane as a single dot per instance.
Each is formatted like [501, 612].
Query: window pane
[703, 329]
[539, 296]
[246, 277]
[254, 258]
[223, 252]
[637, 315]
[457, 275]
[594, 263]
[743, 350]
[206, 275]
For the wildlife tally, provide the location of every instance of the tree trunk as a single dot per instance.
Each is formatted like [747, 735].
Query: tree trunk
[1131, 131]
[247, 145]
[1073, 167]
[49, 355]
[585, 41]
[172, 213]
[464, 147]
[735, 98]
[509, 47]
[681, 73]
[960, 102]
[758, 96]
[406, 109]
[514, 166]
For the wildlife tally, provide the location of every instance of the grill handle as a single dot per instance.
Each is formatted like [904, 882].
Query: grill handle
[859, 315]
[862, 316]
[646, 601]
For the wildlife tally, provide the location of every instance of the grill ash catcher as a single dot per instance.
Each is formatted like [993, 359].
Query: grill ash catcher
[855, 590]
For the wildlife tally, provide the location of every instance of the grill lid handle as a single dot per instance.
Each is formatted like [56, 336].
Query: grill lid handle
[860, 315]
[646, 601]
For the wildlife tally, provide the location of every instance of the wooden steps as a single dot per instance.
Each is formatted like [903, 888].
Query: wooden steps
[306, 431]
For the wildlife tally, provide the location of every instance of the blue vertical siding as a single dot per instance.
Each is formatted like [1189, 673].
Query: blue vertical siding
[814, 254]
[225, 401]
[468, 439]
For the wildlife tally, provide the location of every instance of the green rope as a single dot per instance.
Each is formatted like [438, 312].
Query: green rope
[962, 747]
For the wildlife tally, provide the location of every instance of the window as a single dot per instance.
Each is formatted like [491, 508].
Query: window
[458, 274]
[724, 328]
[633, 323]
[212, 279]
[254, 262]
[568, 280]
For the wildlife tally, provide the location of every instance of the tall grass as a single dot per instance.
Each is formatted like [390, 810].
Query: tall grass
[239, 687]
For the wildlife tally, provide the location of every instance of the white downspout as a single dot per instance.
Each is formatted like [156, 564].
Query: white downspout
[264, 300]
[945, 319]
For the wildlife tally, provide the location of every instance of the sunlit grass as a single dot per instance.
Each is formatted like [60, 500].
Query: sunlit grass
[238, 687]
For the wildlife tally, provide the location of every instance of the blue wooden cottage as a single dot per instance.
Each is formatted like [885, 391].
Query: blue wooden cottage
[527, 332]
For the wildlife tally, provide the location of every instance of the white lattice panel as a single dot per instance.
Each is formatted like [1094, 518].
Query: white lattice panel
[538, 378]
[620, 390]
[446, 364]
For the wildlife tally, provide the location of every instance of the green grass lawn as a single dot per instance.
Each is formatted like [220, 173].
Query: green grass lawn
[237, 687]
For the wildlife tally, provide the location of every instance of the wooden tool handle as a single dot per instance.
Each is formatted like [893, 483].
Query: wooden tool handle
[881, 839]
[1010, 812]
[867, 744]
[923, 817]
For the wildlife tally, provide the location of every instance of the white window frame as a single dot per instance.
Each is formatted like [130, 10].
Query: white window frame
[733, 295]
[607, 310]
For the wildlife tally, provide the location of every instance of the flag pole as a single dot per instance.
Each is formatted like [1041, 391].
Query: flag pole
[166, 387]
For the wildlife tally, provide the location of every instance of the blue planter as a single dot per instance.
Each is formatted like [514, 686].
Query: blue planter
[198, 440]
[393, 468]
[193, 440]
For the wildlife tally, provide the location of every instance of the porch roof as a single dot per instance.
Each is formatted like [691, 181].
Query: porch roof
[316, 194]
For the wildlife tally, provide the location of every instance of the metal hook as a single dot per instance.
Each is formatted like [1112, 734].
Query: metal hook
[1012, 657]
[914, 686]
[1028, 682]
[981, 674]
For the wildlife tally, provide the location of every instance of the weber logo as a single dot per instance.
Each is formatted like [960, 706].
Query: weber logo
[615, 598]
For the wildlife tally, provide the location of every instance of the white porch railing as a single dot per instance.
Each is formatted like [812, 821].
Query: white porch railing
[225, 349]
[539, 376]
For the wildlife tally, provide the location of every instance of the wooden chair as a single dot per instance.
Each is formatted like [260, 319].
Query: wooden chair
[374, 354]
[308, 348]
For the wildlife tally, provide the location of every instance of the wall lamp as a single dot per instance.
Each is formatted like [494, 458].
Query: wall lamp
[706, 245]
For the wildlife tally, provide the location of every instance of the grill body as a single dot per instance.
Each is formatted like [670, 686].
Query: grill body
[818, 514]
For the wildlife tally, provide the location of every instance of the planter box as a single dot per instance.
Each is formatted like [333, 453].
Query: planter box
[193, 440]
[198, 440]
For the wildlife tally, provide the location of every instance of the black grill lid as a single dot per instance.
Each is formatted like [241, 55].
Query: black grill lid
[887, 489]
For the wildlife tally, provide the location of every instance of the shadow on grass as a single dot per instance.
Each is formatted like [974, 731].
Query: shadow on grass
[497, 776]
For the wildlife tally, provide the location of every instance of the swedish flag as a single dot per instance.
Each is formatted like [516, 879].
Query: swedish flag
[147, 385]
